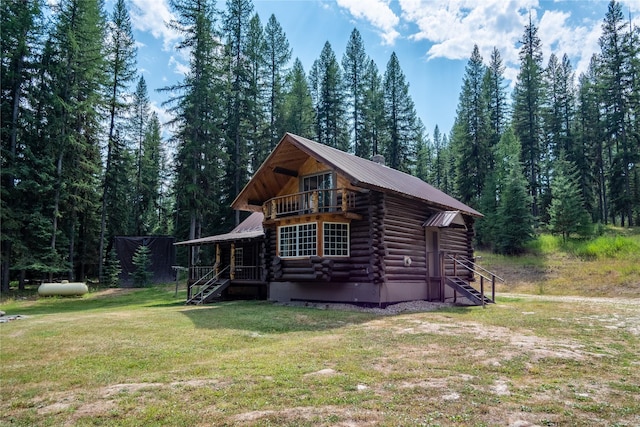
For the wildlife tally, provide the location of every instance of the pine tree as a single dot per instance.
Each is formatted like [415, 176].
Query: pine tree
[199, 138]
[354, 63]
[567, 213]
[151, 167]
[142, 261]
[258, 130]
[138, 128]
[400, 117]
[121, 67]
[471, 132]
[278, 54]
[496, 92]
[327, 92]
[619, 89]
[298, 105]
[112, 270]
[235, 25]
[514, 225]
[21, 30]
[75, 73]
[590, 154]
[373, 133]
[527, 101]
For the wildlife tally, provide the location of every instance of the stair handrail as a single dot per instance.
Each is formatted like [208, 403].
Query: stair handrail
[477, 266]
[482, 276]
[208, 283]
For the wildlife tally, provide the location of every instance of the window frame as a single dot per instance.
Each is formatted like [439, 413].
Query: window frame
[302, 248]
[326, 244]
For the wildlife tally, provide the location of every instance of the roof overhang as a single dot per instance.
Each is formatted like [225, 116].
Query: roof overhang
[446, 219]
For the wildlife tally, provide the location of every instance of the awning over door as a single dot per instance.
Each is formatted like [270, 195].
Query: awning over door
[446, 219]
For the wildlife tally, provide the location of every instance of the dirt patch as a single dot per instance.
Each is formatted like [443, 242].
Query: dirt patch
[319, 416]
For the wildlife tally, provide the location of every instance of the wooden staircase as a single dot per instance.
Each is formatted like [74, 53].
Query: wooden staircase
[466, 290]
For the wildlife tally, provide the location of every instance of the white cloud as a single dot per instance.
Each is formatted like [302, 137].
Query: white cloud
[455, 26]
[152, 16]
[377, 13]
[178, 67]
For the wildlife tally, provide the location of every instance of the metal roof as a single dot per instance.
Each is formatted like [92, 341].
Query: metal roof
[445, 219]
[367, 174]
[248, 229]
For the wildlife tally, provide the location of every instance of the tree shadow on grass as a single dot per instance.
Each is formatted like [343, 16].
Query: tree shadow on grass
[267, 317]
[103, 299]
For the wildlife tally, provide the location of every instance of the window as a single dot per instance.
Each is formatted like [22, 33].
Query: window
[298, 240]
[336, 239]
[239, 257]
[323, 181]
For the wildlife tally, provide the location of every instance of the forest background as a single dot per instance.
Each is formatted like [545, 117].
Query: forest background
[83, 155]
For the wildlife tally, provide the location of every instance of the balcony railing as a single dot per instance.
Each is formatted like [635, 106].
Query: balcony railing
[306, 202]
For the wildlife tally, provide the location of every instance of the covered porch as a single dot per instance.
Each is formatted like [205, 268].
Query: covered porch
[230, 265]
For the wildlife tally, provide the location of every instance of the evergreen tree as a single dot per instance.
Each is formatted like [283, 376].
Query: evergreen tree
[278, 54]
[527, 101]
[354, 63]
[20, 33]
[471, 132]
[590, 155]
[151, 166]
[257, 136]
[138, 128]
[496, 92]
[298, 105]
[514, 225]
[424, 156]
[112, 270]
[373, 133]
[235, 32]
[327, 92]
[567, 213]
[199, 138]
[619, 88]
[75, 78]
[142, 262]
[437, 172]
[400, 117]
[121, 68]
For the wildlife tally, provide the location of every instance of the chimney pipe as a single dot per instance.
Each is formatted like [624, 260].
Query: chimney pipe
[378, 158]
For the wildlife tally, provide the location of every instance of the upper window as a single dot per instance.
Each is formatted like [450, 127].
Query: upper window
[323, 181]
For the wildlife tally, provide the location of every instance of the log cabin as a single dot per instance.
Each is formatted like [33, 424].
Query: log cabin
[327, 226]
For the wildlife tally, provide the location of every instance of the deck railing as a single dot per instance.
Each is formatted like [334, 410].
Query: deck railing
[332, 200]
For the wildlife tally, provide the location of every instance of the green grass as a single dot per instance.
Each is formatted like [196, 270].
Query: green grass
[607, 265]
[129, 358]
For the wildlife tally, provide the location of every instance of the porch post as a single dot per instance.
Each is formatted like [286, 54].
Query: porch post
[217, 258]
[232, 268]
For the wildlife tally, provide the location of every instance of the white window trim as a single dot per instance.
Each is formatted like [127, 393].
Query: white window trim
[297, 247]
[324, 241]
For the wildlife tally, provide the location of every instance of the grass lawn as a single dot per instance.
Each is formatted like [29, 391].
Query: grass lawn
[141, 357]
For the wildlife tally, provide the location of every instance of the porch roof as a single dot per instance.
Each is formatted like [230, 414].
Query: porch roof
[445, 219]
[249, 229]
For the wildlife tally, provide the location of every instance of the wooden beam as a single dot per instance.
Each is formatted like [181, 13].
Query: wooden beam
[285, 171]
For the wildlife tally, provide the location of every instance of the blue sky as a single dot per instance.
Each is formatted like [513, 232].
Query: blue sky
[433, 39]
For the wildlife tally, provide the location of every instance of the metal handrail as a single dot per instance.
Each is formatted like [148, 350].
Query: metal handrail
[480, 268]
[457, 261]
[204, 286]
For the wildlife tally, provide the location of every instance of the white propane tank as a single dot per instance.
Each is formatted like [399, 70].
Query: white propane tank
[65, 288]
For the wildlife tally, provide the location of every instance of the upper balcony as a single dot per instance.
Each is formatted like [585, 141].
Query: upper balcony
[337, 200]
